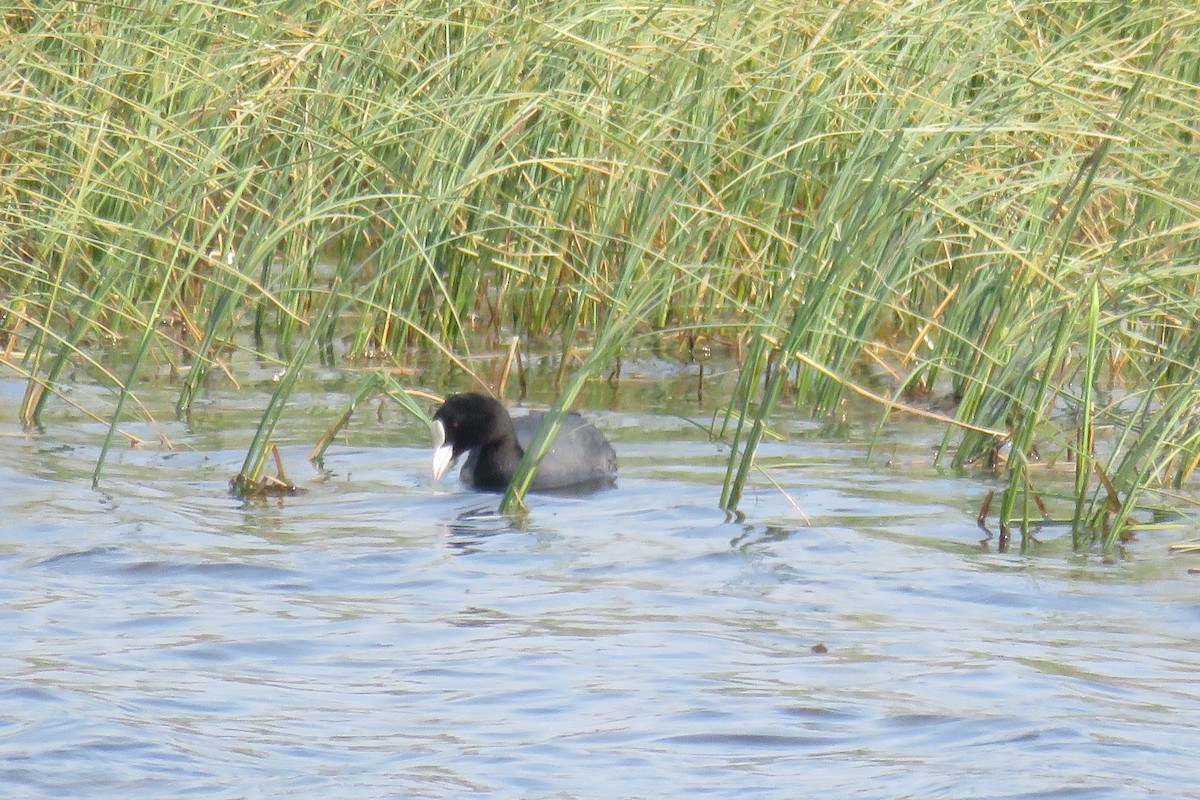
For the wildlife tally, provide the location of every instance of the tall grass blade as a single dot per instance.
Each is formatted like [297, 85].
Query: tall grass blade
[256, 453]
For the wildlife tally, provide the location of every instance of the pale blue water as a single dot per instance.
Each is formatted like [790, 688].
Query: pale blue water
[381, 636]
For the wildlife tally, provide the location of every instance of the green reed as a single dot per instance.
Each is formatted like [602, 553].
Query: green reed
[889, 199]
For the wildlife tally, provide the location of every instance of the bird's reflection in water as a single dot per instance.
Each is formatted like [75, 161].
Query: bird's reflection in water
[467, 532]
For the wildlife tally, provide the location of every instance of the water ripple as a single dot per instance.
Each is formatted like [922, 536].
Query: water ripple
[382, 637]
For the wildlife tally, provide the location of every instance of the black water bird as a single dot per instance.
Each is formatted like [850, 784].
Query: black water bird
[579, 456]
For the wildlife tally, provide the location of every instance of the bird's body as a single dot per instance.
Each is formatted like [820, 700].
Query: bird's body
[579, 456]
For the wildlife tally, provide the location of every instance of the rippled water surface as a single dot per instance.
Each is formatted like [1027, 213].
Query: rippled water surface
[383, 636]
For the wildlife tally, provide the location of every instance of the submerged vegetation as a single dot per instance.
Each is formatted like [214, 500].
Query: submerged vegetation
[998, 204]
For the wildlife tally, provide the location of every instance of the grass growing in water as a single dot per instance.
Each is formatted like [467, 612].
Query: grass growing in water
[878, 197]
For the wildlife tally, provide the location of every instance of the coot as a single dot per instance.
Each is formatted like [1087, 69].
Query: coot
[579, 455]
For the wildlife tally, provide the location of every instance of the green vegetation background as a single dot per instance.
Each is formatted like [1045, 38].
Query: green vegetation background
[997, 201]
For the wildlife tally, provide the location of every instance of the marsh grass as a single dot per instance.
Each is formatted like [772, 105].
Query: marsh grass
[903, 201]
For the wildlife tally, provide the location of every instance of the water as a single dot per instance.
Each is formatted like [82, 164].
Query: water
[381, 636]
